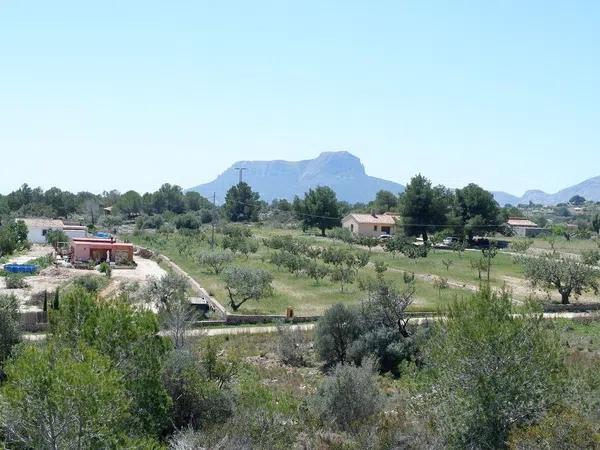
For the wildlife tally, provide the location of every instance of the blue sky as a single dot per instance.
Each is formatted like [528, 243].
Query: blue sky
[131, 94]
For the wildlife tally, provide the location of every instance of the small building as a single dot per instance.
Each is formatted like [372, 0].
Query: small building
[525, 227]
[373, 225]
[75, 231]
[37, 228]
[100, 250]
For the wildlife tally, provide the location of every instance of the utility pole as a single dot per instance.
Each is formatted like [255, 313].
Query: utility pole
[241, 171]
[212, 239]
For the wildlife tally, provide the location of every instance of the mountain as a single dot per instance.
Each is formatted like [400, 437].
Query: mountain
[589, 189]
[341, 171]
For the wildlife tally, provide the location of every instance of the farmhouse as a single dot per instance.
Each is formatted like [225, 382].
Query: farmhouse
[38, 228]
[98, 250]
[373, 225]
[525, 227]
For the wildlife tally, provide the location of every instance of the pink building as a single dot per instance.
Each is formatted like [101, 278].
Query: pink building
[98, 250]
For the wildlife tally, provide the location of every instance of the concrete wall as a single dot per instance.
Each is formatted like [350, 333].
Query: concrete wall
[36, 235]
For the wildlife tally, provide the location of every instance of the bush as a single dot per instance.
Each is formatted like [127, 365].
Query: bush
[15, 281]
[105, 269]
[342, 234]
[291, 346]
[336, 330]
[198, 400]
[91, 283]
[9, 325]
[188, 221]
[348, 398]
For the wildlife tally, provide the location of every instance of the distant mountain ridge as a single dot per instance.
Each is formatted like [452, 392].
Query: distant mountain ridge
[341, 171]
[589, 189]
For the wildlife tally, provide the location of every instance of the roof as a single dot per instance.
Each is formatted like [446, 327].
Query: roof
[520, 222]
[43, 223]
[376, 219]
[75, 227]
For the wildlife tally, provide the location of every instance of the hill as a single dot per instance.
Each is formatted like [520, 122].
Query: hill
[341, 171]
[589, 189]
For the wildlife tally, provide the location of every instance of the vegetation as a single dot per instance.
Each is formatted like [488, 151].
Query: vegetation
[565, 274]
[319, 209]
[246, 284]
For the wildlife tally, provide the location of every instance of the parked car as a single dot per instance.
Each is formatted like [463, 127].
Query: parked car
[449, 241]
[385, 237]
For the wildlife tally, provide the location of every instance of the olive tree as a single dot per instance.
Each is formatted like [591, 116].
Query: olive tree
[217, 261]
[565, 274]
[244, 284]
[336, 330]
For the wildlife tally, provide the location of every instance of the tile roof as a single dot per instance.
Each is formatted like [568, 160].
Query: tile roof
[380, 219]
[519, 222]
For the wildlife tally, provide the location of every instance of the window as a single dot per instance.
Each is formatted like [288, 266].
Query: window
[385, 230]
[375, 228]
[352, 227]
[44, 232]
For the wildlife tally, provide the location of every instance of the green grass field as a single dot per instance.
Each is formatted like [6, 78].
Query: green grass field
[299, 292]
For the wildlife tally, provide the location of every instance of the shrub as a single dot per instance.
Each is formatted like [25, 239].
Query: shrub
[9, 325]
[15, 281]
[336, 330]
[188, 221]
[342, 234]
[105, 269]
[291, 346]
[492, 370]
[91, 283]
[348, 398]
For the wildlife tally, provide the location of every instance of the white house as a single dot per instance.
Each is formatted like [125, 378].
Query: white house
[38, 228]
[370, 224]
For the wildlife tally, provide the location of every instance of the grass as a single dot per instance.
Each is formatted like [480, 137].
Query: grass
[299, 292]
[575, 246]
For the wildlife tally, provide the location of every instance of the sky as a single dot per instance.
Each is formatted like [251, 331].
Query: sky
[131, 94]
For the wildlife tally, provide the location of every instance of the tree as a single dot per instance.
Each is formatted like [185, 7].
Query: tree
[128, 337]
[493, 370]
[477, 210]
[385, 201]
[241, 203]
[565, 274]
[165, 289]
[195, 202]
[56, 237]
[319, 209]
[217, 261]
[57, 397]
[577, 200]
[130, 203]
[336, 330]
[246, 284]
[423, 207]
[596, 223]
